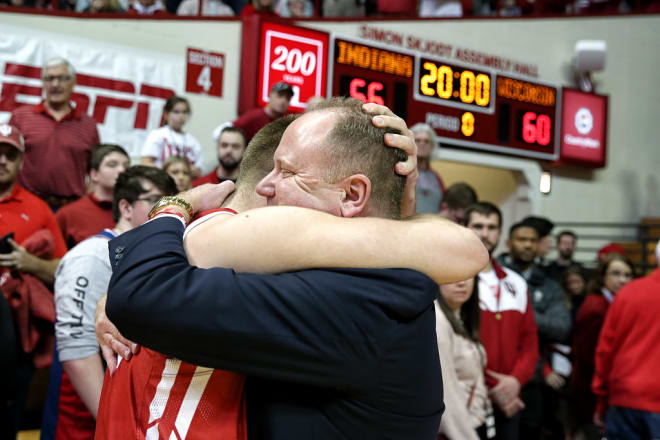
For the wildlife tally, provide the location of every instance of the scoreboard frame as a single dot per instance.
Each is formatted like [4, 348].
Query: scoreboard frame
[422, 104]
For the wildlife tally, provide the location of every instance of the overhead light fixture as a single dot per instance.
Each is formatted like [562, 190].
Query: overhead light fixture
[545, 184]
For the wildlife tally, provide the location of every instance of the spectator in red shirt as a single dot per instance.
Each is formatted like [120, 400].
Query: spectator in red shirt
[627, 360]
[59, 138]
[231, 147]
[278, 103]
[24, 215]
[93, 213]
[613, 272]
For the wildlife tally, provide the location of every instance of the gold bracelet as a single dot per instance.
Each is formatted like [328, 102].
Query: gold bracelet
[166, 201]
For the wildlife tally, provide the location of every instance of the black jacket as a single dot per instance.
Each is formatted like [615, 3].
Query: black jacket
[329, 354]
[551, 313]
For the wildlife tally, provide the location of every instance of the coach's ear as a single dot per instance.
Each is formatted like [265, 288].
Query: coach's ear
[357, 191]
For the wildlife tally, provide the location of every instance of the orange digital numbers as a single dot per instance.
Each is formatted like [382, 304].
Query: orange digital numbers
[446, 82]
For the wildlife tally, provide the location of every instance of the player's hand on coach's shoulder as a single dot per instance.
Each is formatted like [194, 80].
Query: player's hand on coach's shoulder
[208, 196]
[112, 343]
[384, 118]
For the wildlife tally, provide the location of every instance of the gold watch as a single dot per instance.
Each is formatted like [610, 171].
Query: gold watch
[166, 201]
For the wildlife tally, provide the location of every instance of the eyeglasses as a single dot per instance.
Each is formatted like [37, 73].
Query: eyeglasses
[10, 155]
[151, 199]
[617, 274]
[60, 78]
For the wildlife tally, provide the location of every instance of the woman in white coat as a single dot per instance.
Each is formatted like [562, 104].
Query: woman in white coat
[468, 412]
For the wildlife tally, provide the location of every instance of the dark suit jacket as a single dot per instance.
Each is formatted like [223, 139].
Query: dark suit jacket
[330, 354]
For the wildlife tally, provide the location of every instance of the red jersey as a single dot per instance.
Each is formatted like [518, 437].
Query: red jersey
[156, 397]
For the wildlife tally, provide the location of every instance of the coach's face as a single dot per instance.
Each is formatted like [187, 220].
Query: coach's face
[299, 164]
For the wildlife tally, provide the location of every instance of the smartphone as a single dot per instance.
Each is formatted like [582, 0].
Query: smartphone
[5, 246]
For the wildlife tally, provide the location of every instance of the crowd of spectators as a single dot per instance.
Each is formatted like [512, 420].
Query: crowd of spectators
[345, 8]
[537, 357]
[521, 344]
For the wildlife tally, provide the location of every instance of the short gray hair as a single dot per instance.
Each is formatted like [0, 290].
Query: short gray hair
[421, 127]
[59, 61]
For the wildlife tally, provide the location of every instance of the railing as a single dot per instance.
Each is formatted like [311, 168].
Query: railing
[638, 239]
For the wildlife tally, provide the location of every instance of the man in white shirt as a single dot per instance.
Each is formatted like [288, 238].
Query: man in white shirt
[81, 279]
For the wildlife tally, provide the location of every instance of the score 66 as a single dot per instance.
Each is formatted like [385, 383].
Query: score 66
[372, 88]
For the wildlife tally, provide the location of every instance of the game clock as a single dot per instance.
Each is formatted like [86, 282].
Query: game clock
[450, 84]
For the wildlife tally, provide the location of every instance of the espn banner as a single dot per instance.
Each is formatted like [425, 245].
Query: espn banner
[121, 88]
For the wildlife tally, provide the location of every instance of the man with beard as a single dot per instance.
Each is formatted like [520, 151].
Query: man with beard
[566, 241]
[508, 331]
[553, 320]
[231, 147]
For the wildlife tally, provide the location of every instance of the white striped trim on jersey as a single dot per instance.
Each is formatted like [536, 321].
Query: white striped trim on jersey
[159, 403]
[191, 400]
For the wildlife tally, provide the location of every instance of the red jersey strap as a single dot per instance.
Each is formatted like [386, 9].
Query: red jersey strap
[207, 215]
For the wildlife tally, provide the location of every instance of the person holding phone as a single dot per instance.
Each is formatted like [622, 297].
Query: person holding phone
[33, 226]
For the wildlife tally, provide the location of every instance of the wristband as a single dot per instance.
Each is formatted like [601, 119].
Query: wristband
[171, 211]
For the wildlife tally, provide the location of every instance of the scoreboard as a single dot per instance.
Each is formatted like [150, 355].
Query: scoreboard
[467, 106]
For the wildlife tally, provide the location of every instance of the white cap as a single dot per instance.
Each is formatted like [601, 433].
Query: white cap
[219, 129]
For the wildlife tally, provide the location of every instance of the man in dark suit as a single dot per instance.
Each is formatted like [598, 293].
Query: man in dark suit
[330, 354]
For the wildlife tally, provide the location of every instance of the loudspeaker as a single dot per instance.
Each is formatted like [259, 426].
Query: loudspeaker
[590, 55]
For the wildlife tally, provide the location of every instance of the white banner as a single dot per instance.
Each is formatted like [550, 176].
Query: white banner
[123, 89]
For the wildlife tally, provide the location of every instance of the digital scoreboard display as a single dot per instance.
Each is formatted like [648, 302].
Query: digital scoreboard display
[468, 106]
